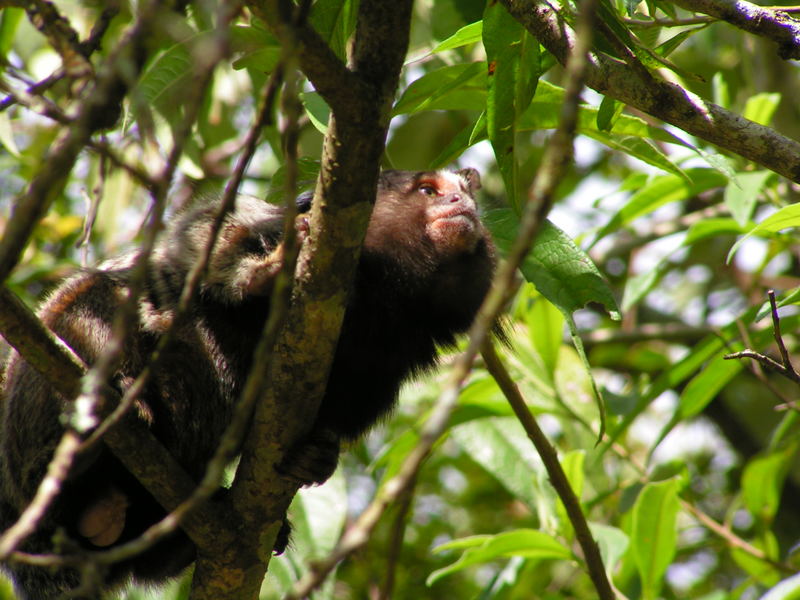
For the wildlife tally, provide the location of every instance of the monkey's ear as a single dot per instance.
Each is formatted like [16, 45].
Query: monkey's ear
[472, 177]
[303, 201]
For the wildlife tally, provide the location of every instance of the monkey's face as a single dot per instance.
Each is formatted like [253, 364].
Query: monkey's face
[451, 215]
[425, 217]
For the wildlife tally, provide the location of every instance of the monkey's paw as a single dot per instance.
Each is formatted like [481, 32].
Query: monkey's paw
[313, 459]
[103, 520]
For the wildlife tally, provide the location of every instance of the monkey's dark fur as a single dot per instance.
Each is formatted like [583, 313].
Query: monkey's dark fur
[425, 267]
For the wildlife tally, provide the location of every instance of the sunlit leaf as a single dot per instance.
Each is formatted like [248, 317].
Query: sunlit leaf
[662, 190]
[788, 589]
[335, 21]
[528, 543]
[512, 55]
[613, 544]
[761, 107]
[654, 533]
[762, 481]
[742, 195]
[461, 86]
[788, 216]
[469, 34]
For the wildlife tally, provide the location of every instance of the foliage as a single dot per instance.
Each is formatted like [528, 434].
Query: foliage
[688, 492]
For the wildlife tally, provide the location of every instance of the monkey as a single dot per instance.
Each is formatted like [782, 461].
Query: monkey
[426, 264]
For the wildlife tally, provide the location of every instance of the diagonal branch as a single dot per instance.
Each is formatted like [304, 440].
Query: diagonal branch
[558, 479]
[340, 88]
[664, 100]
[130, 441]
[772, 24]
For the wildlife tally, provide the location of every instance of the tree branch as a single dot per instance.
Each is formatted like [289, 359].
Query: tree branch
[130, 441]
[772, 24]
[664, 100]
[341, 89]
[98, 100]
[558, 479]
[296, 368]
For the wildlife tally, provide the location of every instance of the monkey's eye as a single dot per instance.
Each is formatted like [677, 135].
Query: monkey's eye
[254, 245]
[427, 189]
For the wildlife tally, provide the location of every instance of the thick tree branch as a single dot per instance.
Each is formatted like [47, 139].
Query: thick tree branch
[340, 88]
[772, 24]
[664, 100]
[296, 369]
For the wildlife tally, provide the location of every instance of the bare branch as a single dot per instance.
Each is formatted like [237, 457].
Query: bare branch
[776, 328]
[784, 367]
[340, 88]
[775, 25]
[558, 479]
[666, 101]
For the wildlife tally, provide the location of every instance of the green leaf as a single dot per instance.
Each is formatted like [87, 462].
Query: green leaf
[702, 352]
[458, 144]
[7, 134]
[469, 34]
[643, 149]
[788, 216]
[335, 21]
[546, 327]
[613, 544]
[255, 48]
[662, 190]
[762, 482]
[528, 543]
[513, 58]
[654, 533]
[761, 107]
[318, 517]
[711, 228]
[608, 113]
[456, 87]
[762, 571]
[572, 464]
[666, 48]
[641, 284]
[721, 90]
[742, 194]
[705, 386]
[502, 448]
[317, 110]
[10, 18]
[561, 271]
[788, 589]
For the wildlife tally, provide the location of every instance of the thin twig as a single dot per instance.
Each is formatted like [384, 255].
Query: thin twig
[396, 541]
[558, 479]
[776, 326]
[785, 367]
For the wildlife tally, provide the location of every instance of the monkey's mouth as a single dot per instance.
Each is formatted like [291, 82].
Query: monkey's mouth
[454, 215]
[454, 229]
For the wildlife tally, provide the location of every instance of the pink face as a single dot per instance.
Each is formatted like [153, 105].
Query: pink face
[451, 213]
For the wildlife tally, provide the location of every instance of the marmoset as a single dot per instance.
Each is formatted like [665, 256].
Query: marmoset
[425, 267]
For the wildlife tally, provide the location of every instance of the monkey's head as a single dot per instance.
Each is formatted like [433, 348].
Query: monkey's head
[429, 211]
